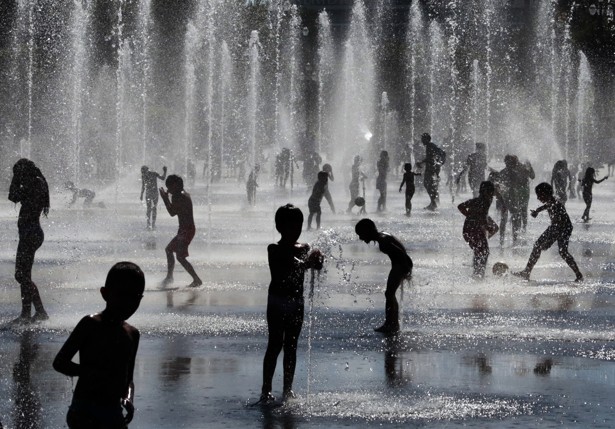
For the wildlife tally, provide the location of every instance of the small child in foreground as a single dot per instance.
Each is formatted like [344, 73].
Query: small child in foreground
[288, 261]
[559, 230]
[107, 348]
[401, 269]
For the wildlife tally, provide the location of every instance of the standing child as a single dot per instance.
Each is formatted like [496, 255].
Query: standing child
[356, 176]
[29, 188]
[478, 226]
[559, 230]
[181, 205]
[401, 269]
[107, 348]
[319, 190]
[408, 180]
[149, 186]
[381, 181]
[587, 184]
[252, 184]
[288, 261]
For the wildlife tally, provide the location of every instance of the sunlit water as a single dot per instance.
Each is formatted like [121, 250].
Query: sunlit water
[498, 353]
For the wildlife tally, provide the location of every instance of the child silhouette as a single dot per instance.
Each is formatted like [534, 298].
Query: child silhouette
[288, 261]
[401, 269]
[107, 348]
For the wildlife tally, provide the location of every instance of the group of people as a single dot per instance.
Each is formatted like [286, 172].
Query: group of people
[105, 387]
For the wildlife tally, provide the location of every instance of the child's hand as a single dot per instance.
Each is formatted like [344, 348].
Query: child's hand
[163, 193]
[130, 410]
[315, 259]
[164, 168]
[534, 213]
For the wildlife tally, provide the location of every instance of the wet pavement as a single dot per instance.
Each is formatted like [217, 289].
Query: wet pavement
[495, 353]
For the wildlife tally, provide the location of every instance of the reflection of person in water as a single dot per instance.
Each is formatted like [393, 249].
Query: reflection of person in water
[393, 364]
[26, 413]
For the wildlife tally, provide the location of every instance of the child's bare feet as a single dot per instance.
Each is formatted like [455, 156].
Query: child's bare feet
[168, 281]
[523, 274]
[195, 283]
[39, 316]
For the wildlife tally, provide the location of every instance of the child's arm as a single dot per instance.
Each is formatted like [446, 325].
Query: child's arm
[164, 173]
[74, 200]
[402, 183]
[129, 396]
[63, 362]
[167, 203]
[601, 180]
[534, 213]
[464, 208]
[142, 187]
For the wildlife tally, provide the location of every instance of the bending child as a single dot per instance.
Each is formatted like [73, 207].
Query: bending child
[559, 230]
[478, 226]
[319, 191]
[107, 348]
[180, 205]
[587, 184]
[401, 269]
[288, 261]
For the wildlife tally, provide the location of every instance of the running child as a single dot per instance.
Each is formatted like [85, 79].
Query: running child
[401, 269]
[319, 191]
[288, 261]
[180, 205]
[559, 230]
[478, 226]
[587, 184]
[107, 348]
[408, 180]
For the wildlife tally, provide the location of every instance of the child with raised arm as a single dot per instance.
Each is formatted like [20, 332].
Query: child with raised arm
[319, 191]
[401, 269]
[180, 206]
[478, 226]
[288, 261]
[107, 348]
[408, 180]
[559, 230]
[587, 184]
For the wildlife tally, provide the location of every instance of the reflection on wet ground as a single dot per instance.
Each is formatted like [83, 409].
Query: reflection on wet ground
[501, 353]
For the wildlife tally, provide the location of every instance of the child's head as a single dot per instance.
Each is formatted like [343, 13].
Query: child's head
[288, 222]
[590, 173]
[175, 184]
[323, 176]
[357, 159]
[544, 192]
[481, 147]
[384, 154]
[408, 167]
[144, 169]
[509, 160]
[123, 289]
[366, 230]
[425, 138]
[69, 185]
[486, 190]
